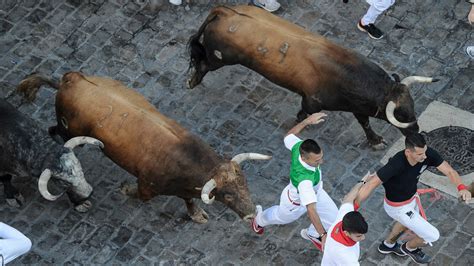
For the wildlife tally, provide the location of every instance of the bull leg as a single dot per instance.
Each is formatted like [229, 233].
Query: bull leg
[197, 214]
[12, 196]
[375, 141]
[308, 107]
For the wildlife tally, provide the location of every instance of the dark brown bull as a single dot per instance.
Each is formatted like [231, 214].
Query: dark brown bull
[326, 75]
[27, 150]
[165, 157]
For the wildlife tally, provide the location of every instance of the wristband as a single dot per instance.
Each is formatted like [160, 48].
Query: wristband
[356, 206]
[461, 187]
[323, 234]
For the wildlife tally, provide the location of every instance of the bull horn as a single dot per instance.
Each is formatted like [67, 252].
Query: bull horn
[408, 81]
[72, 143]
[43, 186]
[239, 158]
[389, 112]
[208, 187]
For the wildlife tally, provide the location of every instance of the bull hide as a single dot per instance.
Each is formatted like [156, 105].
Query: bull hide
[326, 75]
[165, 157]
[26, 149]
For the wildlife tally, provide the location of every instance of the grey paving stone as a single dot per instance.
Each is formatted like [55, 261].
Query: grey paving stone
[234, 110]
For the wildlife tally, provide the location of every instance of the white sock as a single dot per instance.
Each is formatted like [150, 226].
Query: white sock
[410, 249]
[388, 244]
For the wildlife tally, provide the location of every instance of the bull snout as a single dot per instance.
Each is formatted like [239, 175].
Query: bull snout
[410, 130]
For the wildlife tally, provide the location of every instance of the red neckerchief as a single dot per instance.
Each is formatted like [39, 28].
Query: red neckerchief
[338, 235]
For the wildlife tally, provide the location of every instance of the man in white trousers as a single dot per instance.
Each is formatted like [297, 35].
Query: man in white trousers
[12, 243]
[305, 191]
[366, 24]
[342, 244]
[400, 178]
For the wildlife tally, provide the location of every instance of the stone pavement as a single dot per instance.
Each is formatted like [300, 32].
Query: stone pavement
[235, 110]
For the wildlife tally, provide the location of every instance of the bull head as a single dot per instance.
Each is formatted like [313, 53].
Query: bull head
[71, 173]
[405, 101]
[231, 187]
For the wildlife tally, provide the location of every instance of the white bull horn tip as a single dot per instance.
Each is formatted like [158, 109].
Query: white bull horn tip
[239, 158]
[43, 186]
[206, 190]
[72, 143]
[390, 114]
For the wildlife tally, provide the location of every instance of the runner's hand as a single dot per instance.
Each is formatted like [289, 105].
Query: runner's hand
[315, 118]
[323, 241]
[465, 195]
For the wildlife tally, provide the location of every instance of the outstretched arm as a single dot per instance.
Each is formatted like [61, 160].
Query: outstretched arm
[313, 119]
[372, 183]
[453, 175]
[352, 195]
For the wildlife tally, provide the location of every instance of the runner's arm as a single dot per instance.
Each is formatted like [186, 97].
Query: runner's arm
[367, 188]
[352, 195]
[453, 176]
[313, 119]
[316, 221]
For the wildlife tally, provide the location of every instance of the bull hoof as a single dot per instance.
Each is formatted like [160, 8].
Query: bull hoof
[302, 115]
[83, 207]
[130, 190]
[380, 146]
[200, 216]
[188, 84]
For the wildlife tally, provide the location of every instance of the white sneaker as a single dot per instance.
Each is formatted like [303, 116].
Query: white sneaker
[315, 240]
[269, 5]
[176, 2]
[470, 51]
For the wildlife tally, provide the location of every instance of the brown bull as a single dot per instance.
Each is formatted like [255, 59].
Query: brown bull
[326, 75]
[165, 157]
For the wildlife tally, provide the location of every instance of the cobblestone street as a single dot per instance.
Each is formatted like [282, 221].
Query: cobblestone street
[235, 110]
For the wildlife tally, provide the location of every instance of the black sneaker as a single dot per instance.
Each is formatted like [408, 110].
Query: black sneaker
[395, 249]
[416, 255]
[373, 31]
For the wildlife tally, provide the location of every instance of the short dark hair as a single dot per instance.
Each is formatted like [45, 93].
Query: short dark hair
[415, 140]
[354, 222]
[308, 146]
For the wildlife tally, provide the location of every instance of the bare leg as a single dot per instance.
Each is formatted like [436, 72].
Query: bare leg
[197, 214]
[397, 230]
[416, 242]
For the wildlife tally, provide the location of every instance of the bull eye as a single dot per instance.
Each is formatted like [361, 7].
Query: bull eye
[64, 122]
[228, 197]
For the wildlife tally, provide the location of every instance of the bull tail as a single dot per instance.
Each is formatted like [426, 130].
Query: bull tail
[408, 81]
[29, 86]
